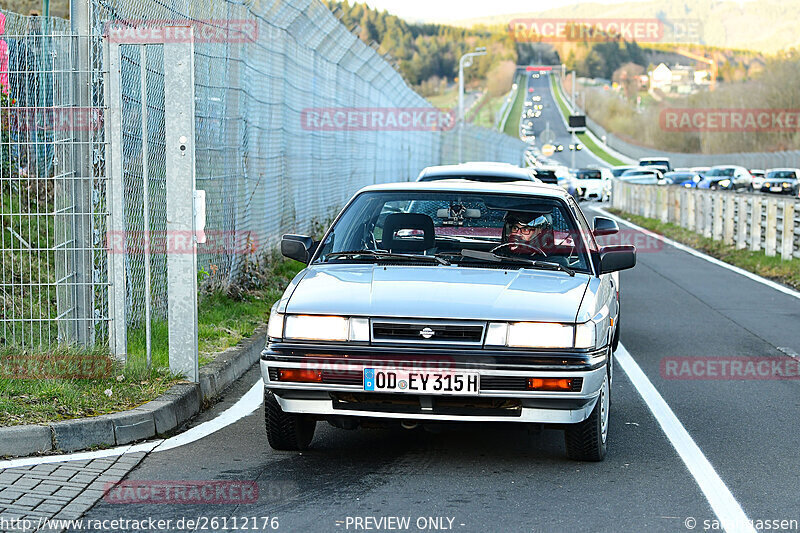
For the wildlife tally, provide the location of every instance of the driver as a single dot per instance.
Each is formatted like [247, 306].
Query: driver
[527, 233]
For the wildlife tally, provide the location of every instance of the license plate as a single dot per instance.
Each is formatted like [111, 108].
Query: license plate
[776, 189]
[421, 382]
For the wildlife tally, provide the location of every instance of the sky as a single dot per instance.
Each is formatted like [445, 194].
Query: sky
[451, 10]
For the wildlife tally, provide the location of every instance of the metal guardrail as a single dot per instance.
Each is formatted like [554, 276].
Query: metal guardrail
[752, 221]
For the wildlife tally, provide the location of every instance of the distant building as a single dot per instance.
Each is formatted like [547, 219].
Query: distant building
[680, 79]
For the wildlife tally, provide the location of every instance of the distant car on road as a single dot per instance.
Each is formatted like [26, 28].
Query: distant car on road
[592, 184]
[485, 171]
[758, 178]
[684, 179]
[782, 181]
[617, 171]
[727, 177]
[629, 175]
[655, 161]
[559, 148]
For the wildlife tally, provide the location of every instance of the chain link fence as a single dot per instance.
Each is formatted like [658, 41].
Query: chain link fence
[264, 170]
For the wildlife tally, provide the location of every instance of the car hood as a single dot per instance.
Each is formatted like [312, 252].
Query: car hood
[439, 292]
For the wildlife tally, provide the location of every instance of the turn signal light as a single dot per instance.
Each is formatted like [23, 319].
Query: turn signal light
[551, 384]
[300, 374]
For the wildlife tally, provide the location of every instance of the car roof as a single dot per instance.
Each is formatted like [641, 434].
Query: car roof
[478, 168]
[654, 157]
[782, 168]
[456, 185]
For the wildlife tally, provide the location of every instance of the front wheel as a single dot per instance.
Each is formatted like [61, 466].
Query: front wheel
[588, 440]
[286, 431]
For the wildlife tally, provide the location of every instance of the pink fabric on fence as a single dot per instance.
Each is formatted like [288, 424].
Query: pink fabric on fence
[3, 57]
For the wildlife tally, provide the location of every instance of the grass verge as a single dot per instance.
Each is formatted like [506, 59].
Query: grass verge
[66, 382]
[512, 124]
[774, 268]
[583, 137]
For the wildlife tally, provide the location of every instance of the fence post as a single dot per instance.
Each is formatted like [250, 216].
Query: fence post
[787, 246]
[691, 220]
[716, 233]
[179, 137]
[730, 206]
[707, 220]
[117, 236]
[755, 225]
[81, 264]
[772, 227]
[745, 204]
[663, 204]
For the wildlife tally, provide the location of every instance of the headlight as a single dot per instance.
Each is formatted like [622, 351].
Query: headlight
[724, 183]
[585, 335]
[540, 335]
[275, 324]
[326, 328]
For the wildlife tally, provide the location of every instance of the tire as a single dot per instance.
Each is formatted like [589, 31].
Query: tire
[588, 440]
[286, 431]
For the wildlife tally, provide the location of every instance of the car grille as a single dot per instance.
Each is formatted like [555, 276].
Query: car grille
[434, 332]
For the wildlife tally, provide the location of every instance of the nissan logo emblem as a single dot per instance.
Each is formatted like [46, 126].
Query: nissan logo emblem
[427, 333]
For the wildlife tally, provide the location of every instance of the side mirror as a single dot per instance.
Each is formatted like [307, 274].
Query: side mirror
[297, 247]
[615, 258]
[604, 226]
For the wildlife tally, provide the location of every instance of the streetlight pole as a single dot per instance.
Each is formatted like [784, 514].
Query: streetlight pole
[465, 61]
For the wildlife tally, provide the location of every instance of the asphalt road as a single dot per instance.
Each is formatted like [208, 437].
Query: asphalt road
[552, 115]
[498, 478]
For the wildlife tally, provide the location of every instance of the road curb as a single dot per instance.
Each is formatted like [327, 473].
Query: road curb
[157, 417]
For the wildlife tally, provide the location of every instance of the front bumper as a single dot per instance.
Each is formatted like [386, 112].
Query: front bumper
[502, 397]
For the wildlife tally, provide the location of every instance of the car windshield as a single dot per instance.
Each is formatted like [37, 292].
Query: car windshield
[781, 175]
[617, 172]
[459, 227]
[717, 172]
[653, 162]
[589, 175]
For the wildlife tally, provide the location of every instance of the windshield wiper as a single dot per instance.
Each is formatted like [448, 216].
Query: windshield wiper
[386, 255]
[494, 258]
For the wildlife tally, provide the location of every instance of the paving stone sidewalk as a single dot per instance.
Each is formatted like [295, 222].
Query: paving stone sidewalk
[61, 491]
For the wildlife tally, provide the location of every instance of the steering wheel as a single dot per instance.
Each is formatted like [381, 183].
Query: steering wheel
[530, 247]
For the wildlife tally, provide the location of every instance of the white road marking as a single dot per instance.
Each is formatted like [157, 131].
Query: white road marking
[722, 502]
[243, 407]
[701, 255]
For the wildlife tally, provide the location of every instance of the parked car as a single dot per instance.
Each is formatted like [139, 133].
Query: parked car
[487, 171]
[782, 181]
[655, 161]
[727, 177]
[684, 179]
[448, 301]
[700, 170]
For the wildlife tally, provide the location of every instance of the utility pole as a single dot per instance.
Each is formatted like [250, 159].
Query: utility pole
[465, 61]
